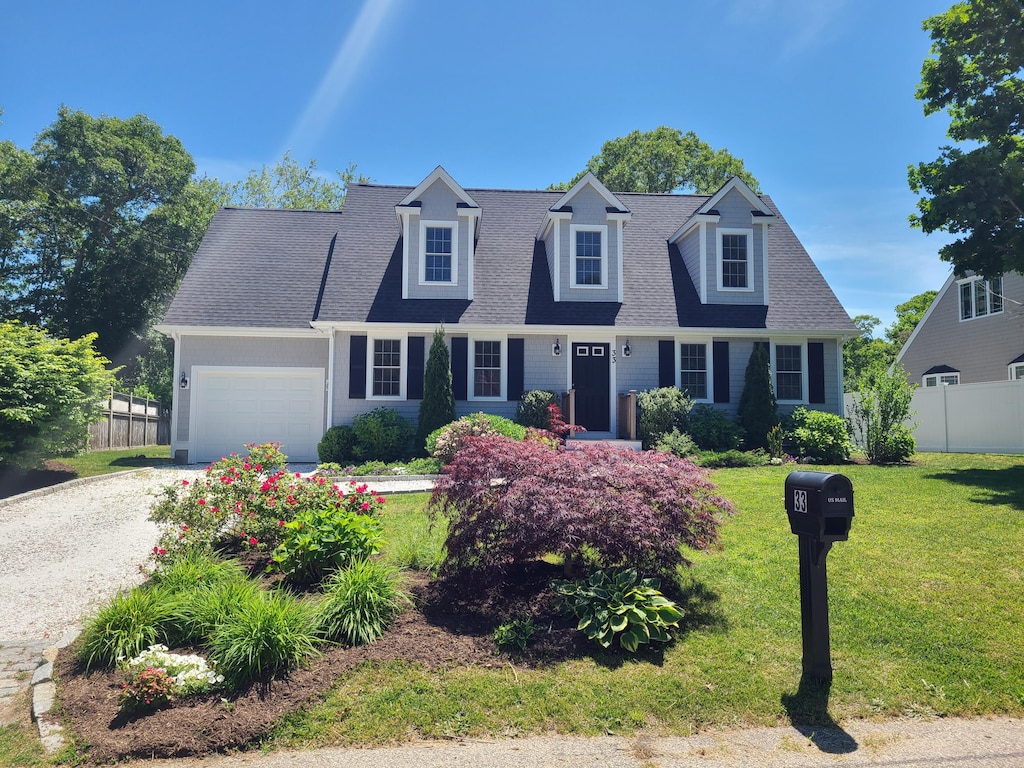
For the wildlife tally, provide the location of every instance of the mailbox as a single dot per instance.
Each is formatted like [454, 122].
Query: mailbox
[819, 505]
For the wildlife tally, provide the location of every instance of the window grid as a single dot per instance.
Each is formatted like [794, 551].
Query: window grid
[693, 374]
[734, 261]
[438, 256]
[387, 367]
[789, 380]
[588, 258]
[487, 369]
[979, 298]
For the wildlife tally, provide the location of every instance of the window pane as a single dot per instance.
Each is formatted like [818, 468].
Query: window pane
[387, 367]
[966, 305]
[487, 369]
[588, 244]
[734, 261]
[788, 377]
[693, 365]
[588, 271]
[930, 381]
[437, 267]
[996, 295]
[439, 240]
[980, 298]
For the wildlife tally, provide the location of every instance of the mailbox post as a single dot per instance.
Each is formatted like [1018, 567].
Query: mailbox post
[820, 509]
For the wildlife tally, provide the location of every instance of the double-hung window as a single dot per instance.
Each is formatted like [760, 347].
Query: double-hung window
[437, 256]
[979, 297]
[789, 373]
[734, 262]
[386, 371]
[693, 370]
[589, 262]
[487, 369]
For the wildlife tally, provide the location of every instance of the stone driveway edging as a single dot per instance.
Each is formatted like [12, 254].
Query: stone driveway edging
[67, 484]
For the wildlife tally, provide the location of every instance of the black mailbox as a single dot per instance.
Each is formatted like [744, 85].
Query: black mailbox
[819, 505]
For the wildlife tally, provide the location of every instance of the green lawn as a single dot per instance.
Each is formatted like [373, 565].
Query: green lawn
[105, 462]
[924, 610]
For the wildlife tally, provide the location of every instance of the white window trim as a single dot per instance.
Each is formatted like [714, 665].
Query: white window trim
[750, 258]
[403, 364]
[603, 229]
[708, 367]
[1016, 368]
[974, 309]
[454, 227]
[804, 378]
[471, 373]
[938, 379]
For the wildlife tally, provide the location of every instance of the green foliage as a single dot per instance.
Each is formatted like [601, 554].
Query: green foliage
[908, 315]
[663, 160]
[712, 429]
[359, 602]
[723, 459]
[619, 604]
[415, 541]
[879, 414]
[290, 185]
[677, 443]
[757, 412]
[861, 352]
[974, 190]
[820, 435]
[50, 392]
[317, 541]
[383, 434]
[337, 446]
[194, 569]
[271, 633]
[443, 443]
[532, 409]
[513, 636]
[148, 690]
[661, 411]
[211, 604]
[131, 622]
[775, 437]
[438, 405]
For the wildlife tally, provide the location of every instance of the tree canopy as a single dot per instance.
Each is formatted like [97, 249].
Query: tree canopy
[976, 190]
[289, 184]
[867, 352]
[663, 160]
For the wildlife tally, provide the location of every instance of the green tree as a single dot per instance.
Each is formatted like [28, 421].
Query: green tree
[757, 411]
[908, 315]
[288, 184]
[50, 392]
[880, 413]
[976, 190]
[663, 160]
[861, 352]
[437, 408]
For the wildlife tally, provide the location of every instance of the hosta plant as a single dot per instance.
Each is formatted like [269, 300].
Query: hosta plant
[513, 636]
[619, 604]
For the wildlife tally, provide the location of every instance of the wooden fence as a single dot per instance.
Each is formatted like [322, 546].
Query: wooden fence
[130, 422]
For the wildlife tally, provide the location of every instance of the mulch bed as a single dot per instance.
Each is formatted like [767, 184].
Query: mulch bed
[442, 630]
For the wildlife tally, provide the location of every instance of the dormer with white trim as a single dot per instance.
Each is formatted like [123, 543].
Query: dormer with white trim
[582, 233]
[724, 246]
[439, 223]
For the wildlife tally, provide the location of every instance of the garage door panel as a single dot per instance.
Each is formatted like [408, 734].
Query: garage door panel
[238, 407]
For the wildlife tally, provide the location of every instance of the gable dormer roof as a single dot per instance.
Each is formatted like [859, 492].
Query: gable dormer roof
[412, 200]
[614, 207]
[707, 212]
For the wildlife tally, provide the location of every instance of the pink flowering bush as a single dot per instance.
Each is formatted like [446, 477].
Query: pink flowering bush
[240, 503]
[510, 502]
[150, 689]
[443, 442]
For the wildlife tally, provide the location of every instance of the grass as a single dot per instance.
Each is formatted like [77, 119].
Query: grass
[105, 462]
[924, 614]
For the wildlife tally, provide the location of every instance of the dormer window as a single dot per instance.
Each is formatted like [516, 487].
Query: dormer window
[979, 298]
[589, 256]
[734, 259]
[439, 242]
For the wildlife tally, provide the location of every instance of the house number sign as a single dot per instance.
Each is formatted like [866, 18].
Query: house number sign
[800, 501]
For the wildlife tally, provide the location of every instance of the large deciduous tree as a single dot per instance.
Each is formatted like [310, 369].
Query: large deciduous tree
[976, 190]
[663, 160]
[288, 184]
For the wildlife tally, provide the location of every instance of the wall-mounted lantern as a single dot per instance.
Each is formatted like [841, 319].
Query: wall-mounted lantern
[626, 349]
[183, 381]
[556, 349]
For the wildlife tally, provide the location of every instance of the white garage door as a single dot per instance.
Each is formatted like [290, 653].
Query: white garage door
[233, 407]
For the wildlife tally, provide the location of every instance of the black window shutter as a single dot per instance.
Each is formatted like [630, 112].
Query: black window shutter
[516, 357]
[815, 372]
[414, 384]
[357, 368]
[460, 367]
[666, 363]
[720, 361]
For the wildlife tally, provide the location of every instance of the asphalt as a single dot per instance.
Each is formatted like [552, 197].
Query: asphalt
[909, 743]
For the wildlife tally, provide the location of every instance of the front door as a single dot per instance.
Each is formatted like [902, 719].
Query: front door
[591, 380]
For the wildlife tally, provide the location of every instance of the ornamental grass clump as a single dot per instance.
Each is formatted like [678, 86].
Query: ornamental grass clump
[129, 623]
[359, 602]
[512, 502]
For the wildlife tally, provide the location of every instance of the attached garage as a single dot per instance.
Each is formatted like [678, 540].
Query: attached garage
[234, 406]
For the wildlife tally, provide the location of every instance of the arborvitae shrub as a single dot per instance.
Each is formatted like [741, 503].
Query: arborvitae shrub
[438, 405]
[758, 411]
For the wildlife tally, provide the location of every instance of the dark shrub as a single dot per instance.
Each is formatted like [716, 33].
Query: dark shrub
[712, 429]
[438, 405]
[532, 410]
[337, 446]
[757, 412]
[714, 460]
[383, 434]
[661, 411]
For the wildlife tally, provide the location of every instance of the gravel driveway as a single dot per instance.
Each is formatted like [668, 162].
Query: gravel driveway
[64, 552]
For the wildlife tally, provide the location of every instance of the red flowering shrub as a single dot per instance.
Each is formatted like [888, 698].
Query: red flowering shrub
[510, 502]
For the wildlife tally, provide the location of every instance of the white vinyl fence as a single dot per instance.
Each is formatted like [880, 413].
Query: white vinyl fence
[969, 418]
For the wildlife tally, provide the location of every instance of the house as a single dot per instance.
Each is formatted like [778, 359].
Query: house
[973, 332]
[288, 322]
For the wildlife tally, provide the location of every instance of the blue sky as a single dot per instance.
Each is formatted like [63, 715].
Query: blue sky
[816, 96]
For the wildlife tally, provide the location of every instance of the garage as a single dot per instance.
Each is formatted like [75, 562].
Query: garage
[235, 406]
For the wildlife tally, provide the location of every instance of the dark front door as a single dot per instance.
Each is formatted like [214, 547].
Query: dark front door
[590, 379]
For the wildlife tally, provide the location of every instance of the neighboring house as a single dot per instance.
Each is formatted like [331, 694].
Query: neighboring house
[973, 332]
[292, 321]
